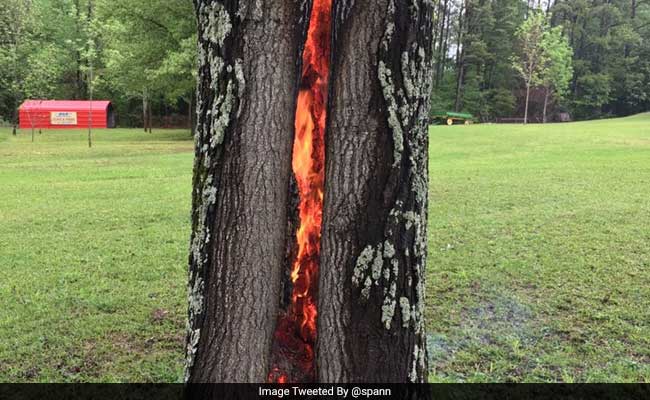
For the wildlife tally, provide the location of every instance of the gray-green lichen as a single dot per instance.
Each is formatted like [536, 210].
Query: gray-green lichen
[388, 87]
[221, 109]
[196, 290]
[405, 308]
[405, 85]
[368, 269]
[362, 265]
[367, 286]
[225, 81]
[196, 287]
[376, 265]
[241, 82]
[389, 250]
[418, 363]
[191, 348]
[251, 10]
[413, 376]
[388, 309]
[412, 219]
[216, 23]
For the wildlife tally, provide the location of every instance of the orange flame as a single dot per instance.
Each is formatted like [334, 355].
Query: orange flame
[296, 331]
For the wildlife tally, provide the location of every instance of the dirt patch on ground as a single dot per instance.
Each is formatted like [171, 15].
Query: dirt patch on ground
[159, 315]
[499, 319]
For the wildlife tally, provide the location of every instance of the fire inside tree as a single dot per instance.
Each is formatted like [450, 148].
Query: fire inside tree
[295, 336]
[310, 192]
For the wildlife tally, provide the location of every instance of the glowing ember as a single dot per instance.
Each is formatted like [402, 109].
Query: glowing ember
[295, 335]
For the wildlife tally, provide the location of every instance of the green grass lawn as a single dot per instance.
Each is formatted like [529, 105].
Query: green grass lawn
[93, 251]
[539, 265]
[539, 252]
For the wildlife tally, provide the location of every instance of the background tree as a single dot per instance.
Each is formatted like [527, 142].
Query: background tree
[14, 51]
[150, 52]
[607, 40]
[557, 70]
[485, 87]
[530, 61]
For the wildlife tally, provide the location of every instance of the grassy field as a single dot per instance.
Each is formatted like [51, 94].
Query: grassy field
[539, 266]
[92, 255]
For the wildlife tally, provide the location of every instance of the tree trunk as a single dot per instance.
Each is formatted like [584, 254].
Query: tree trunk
[90, 93]
[15, 120]
[633, 7]
[371, 326]
[248, 83]
[441, 41]
[144, 111]
[190, 114]
[80, 90]
[460, 77]
[149, 116]
[526, 107]
[373, 251]
[460, 60]
[549, 7]
[445, 44]
[546, 95]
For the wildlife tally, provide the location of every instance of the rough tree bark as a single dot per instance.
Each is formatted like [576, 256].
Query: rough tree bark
[14, 119]
[248, 76]
[527, 101]
[371, 326]
[371, 294]
[144, 111]
[547, 94]
[149, 116]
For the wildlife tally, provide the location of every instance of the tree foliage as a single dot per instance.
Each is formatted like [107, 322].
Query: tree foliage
[531, 57]
[543, 59]
[46, 47]
[557, 69]
[151, 46]
[610, 63]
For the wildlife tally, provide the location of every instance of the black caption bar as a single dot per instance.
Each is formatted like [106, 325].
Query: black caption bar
[324, 391]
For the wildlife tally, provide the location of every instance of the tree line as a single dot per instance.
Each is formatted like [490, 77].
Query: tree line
[607, 41]
[141, 55]
[144, 57]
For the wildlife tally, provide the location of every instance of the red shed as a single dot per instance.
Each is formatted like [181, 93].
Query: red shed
[66, 114]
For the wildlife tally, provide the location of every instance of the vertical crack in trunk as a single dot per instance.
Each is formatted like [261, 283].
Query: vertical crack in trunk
[292, 358]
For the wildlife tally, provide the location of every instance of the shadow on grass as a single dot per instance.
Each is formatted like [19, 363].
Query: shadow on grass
[499, 327]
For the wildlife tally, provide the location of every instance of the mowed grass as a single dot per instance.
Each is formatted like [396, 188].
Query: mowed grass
[93, 249]
[539, 252]
[539, 265]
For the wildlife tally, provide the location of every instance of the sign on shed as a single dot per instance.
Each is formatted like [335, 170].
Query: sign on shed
[63, 118]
